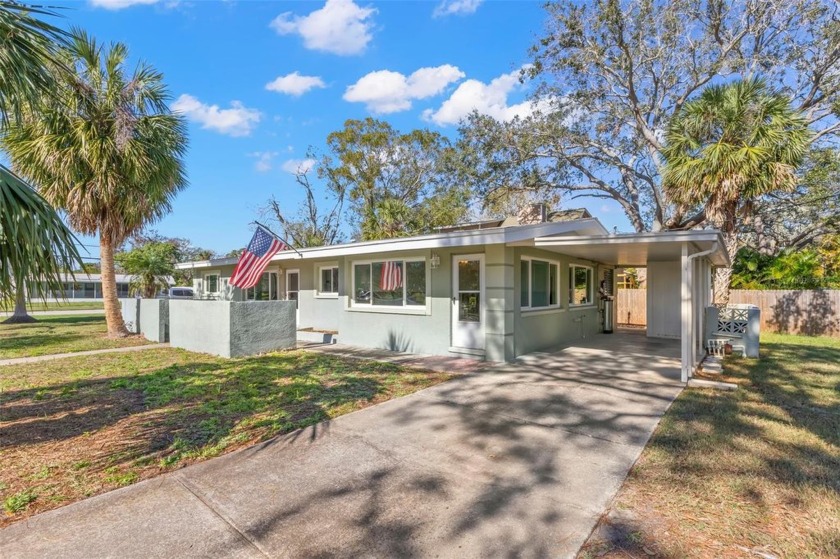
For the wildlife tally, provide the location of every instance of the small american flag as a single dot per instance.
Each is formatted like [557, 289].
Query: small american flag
[255, 259]
[391, 277]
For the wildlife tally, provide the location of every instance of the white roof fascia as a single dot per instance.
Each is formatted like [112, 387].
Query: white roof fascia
[496, 235]
[691, 236]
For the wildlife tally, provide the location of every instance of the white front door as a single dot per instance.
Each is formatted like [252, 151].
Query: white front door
[468, 301]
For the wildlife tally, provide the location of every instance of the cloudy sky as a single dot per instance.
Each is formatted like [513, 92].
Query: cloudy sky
[262, 81]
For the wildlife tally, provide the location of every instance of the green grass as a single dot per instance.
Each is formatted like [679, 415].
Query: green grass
[56, 306]
[79, 426]
[59, 334]
[737, 474]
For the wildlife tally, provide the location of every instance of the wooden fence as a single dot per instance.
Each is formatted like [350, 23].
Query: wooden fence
[810, 312]
[631, 307]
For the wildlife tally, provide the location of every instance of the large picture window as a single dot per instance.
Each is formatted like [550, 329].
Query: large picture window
[390, 283]
[580, 285]
[265, 290]
[538, 286]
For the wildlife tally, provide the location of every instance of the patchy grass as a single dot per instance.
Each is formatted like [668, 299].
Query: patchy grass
[750, 473]
[59, 334]
[69, 305]
[75, 427]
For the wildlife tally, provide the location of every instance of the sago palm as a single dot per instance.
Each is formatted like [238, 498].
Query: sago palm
[106, 149]
[34, 242]
[726, 148]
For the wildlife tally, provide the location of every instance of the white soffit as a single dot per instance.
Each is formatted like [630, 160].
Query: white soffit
[636, 249]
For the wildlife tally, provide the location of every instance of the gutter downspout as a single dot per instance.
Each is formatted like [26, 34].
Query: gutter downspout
[691, 258]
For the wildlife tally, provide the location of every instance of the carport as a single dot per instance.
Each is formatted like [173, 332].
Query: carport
[679, 265]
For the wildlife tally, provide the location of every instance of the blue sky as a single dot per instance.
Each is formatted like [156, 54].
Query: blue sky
[262, 81]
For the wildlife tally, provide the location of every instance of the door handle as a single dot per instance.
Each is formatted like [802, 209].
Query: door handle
[454, 299]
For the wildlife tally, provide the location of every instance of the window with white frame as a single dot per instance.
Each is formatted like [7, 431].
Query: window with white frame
[211, 283]
[580, 285]
[539, 283]
[389, 283]
[329, 280]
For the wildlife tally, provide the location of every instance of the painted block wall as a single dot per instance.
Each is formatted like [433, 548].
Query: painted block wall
[319, 311]
[664, 299]
[539, 330]
[428, 332]
[232, 328]
[148, 317]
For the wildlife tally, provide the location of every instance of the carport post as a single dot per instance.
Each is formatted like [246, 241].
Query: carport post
[686, 319]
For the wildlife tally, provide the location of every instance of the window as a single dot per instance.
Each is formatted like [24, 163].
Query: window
[329, 281]
[390, 283]
[265, 290]
[580, 285]
[211, 283]
[538, 284]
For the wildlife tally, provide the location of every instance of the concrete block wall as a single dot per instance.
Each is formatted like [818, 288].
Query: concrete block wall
[148, 317]
[232, 328]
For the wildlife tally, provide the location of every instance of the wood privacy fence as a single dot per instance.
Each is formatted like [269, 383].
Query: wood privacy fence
[811, 312]
[631, 306]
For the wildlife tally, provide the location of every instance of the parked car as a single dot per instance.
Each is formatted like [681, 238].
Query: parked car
[180, 293]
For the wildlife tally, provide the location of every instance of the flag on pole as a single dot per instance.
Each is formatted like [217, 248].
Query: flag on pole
[391, 277]
[255, 259]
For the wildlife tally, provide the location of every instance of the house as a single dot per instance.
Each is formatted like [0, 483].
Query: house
[88, 287]
[493, 290]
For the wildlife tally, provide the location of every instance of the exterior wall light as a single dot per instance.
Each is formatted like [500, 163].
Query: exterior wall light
[435, 261]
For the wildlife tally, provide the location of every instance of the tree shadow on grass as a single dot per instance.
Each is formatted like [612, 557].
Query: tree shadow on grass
[198, 404]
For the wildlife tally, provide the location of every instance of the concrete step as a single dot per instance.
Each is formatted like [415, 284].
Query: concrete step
[315, 337]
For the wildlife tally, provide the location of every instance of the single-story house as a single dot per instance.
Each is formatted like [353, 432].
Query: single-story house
[493, 290]
[86, 286]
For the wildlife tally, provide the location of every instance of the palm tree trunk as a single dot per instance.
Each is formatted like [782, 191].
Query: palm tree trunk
[113, 312]
[723, 276]
[20, 316]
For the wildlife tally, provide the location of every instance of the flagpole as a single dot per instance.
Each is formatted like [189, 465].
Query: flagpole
[278, 237]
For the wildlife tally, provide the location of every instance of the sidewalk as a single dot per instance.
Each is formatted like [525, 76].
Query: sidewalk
[22, 360]
[5, 314]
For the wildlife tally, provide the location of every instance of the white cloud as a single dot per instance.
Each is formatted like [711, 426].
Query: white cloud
[340, 27]
[265, 160]
[453, 7]
[488, 99]
[238, 120]
[295, 84]
[295, 166]
[389, 92]
[119, 4]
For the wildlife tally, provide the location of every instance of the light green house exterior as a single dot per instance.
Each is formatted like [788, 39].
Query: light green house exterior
[490, 293]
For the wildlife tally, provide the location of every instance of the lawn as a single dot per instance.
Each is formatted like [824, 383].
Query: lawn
[59, 334]
[750, 473]
[79, 426]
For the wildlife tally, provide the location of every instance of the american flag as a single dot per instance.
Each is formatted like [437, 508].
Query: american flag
[256, 257]
[391, 277]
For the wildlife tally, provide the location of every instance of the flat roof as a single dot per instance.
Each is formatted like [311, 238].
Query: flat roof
[637, 249]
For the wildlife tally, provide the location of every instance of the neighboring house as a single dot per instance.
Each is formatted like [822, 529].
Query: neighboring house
[493, 290]
[88, 287]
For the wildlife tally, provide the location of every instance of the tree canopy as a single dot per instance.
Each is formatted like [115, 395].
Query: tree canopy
[105, 148]
[610, 75]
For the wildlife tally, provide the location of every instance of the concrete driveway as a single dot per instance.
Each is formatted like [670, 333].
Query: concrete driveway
[516, 461]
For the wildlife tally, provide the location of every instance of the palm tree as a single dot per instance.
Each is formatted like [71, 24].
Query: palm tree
[34, 242]
[151, 266]
[726, 148]
[105, 148]
[34, 245]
